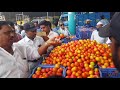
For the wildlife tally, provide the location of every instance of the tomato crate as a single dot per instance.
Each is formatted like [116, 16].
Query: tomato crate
[109, 73]
[48, 66]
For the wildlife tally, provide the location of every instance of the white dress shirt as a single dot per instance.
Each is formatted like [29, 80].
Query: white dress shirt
[65, 32]
[34, 43]
[95, 36]
[23, 33]
[16, 65]
[51, 34]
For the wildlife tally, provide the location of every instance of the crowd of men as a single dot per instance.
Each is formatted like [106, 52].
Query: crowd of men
[20, 49]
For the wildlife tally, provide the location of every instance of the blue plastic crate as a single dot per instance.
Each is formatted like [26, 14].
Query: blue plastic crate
[65, 40]
[109, 73]
[84, 33]
[47, 66]
[73, 39]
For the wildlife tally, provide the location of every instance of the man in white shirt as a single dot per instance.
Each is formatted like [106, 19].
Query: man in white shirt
[95, 35]
[14, 57]
[63, 30]
[17, 28]
[46, 27]
[31, 40]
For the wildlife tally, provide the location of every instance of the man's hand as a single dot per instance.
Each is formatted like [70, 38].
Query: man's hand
[54, 42]
[45, 38]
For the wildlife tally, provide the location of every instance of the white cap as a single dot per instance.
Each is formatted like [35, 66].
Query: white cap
[88, 20]
[99, 23]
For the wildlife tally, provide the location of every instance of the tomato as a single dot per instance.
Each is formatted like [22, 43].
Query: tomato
[84, 75]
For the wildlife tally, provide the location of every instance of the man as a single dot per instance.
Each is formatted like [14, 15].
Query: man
[31, 40]
[17, 35]
[23, 34]
[17, 28]
[112, 31]
[63, 30]
[14, 57]
[36, 24]
[104, 20]
[56, 25]
[46, 27]
[87, 23]
[95, 35]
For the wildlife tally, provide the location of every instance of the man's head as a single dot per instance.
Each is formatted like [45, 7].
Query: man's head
[87, 21]
[11, 24]
[45, 26]
[99, 25]
[36, 23]
[102, 17]
[61, 24]
[112, 30]
[7, 34]
[30, 30]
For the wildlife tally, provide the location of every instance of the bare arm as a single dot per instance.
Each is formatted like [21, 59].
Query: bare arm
[45, 38]
[44, 47]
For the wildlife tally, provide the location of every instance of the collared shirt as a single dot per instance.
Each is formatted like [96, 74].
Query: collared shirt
[95, 36]
[52, 34]
[23, 33]
[34, 43]
[16, 65]
[65, 32]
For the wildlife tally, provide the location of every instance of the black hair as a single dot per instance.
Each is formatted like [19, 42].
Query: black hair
[10, 23]
[46, 23]
[55, 22]
[15, 23]
[102, 16]
[3, 23]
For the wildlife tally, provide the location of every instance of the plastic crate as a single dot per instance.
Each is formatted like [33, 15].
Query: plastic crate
[73, 39]
[41, 59]
[65, 40]
[47, 66]
[109, 73]
[84, 33]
